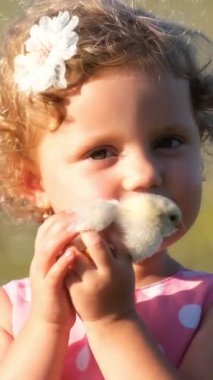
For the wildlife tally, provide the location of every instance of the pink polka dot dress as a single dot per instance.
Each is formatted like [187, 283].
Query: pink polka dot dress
[172, 310]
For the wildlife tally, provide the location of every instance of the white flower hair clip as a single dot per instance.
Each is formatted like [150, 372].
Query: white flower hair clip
[51, 43]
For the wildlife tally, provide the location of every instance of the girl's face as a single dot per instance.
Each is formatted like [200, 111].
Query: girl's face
[125, 132]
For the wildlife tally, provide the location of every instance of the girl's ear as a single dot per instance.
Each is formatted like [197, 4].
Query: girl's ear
[31, 182]
[42, 201]
[33, 189]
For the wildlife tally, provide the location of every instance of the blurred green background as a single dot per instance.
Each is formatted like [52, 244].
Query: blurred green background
[196, 248]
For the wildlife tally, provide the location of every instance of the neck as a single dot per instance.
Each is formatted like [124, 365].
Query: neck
[154, 269]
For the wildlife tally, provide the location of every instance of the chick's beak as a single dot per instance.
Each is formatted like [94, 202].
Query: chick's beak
[180, 225]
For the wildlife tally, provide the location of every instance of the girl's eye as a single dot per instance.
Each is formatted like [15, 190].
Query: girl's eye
[169, 143]
[101, 154]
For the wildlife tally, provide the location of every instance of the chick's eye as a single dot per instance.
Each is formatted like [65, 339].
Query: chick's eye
[169, 143]
[101, 154]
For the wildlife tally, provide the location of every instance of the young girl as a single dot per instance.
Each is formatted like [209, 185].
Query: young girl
[102, 101]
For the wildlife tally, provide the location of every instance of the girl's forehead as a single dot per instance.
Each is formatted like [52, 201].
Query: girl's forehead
[130, 78]
[127, 85]
[122, 97]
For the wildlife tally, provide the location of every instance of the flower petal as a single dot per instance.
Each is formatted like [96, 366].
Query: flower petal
[73, 22]
[45, 22]
[63, 18]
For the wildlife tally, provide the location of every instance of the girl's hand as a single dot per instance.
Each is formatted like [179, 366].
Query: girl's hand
[101, 286]
[52, 260]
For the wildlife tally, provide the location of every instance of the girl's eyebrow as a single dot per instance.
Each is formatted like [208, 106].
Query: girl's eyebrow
[82, 144]
[177, 127]
[173, 127]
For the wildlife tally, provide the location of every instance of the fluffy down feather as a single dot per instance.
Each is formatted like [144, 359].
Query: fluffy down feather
[141, 222]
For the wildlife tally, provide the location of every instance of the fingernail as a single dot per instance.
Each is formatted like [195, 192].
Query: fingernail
[69, 252]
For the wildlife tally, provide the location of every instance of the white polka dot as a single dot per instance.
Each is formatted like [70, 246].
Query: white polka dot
[154, 291]
[83, 359]
[189, 315]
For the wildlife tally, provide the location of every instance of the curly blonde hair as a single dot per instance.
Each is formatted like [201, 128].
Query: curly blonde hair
[111, 34]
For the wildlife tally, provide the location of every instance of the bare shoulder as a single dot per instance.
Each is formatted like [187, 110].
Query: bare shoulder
[197, 363]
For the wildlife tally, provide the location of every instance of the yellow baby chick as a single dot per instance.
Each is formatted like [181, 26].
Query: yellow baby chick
[141, 222]
[145, 220]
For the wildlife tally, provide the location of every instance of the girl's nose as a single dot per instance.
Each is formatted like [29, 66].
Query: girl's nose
[141, 173]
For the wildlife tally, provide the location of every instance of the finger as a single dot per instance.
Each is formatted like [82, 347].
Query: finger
[43, 228]
[52, 251]
[117, 246]
[52, 224]
[52, 246]
[97, 248]
[59, 270]
[71, 279]
[119, 251]
[82, 264]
